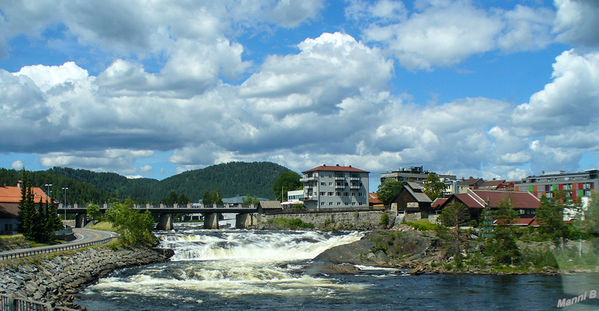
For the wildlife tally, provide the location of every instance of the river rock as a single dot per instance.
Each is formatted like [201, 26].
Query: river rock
[55, 280]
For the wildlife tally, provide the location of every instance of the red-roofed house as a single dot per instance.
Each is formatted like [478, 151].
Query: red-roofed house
[335, 187]
[475, 200]
[374, 202]
[10, 196]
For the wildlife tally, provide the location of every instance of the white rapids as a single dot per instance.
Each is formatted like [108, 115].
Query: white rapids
[236, 262]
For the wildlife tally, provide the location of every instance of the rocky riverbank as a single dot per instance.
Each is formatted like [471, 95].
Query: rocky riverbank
[416, 251]
[56, 277]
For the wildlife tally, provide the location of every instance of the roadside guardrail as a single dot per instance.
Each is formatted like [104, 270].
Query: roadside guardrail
[11, 303]
[18, 253]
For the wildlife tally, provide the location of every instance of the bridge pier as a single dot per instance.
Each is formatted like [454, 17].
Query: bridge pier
[80, 220]
[244, 220]
[166, 222]
[211, 220]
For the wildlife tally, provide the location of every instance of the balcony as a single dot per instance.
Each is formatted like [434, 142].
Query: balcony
[309, 198]
[355, 187]
[307, 179]
[339, 177]
[339, 186]
[354, 178]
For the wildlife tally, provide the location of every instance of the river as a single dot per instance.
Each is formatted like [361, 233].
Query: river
[272, 270]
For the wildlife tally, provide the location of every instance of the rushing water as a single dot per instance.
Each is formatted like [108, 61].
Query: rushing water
[271, 270]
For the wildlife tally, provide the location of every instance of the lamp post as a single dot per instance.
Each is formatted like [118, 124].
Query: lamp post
[65, 205]
[48, 187]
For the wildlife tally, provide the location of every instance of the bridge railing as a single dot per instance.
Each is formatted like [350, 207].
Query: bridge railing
[18, 253]
[11, 303]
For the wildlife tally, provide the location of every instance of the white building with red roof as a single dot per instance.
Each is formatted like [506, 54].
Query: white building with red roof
[335, 187]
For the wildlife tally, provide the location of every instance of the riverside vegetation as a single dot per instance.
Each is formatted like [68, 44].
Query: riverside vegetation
[57, 276]
[487, 249]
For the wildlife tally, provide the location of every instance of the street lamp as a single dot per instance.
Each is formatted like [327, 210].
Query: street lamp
[47, 190]
[65, 205]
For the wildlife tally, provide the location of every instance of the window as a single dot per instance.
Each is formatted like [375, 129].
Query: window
[330, 194]
[330, 203]
[338, 193]
[353, 203]
[338, 203]
[360, 194]
[345, 193]
[321, 203]
[330, 183]
[322, 193]
[346, 203]
[323, 183]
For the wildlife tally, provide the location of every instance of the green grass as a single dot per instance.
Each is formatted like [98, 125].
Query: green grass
[285, 223]
[422, 225]
[103, 225]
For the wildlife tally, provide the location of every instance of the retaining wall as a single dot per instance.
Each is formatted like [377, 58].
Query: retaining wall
[333, 219]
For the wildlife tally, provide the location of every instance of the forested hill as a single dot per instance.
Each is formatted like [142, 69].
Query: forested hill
[235, 178]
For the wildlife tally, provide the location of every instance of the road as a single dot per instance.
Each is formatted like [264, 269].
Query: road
[84, 237]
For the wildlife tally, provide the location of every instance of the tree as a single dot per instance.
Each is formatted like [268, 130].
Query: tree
[388, 190]
[135, 228]
[27, 211]
[433, 186]
[212, 197]
[287, 181]
[452, 216]
[591, 219]
[502, 245]
[249, 200]
[550, 216]
[93, 212]
[171, 199]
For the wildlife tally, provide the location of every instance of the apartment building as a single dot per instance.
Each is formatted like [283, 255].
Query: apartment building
[577, 185]
[335, 187]
[413, 173]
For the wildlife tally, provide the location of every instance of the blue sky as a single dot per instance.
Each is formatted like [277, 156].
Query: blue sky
[499, 89]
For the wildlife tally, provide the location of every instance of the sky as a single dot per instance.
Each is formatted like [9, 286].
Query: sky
[493, 89]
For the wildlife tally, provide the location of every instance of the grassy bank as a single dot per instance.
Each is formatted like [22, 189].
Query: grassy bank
[286, 223]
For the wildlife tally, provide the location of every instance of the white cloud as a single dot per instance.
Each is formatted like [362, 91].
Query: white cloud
[110, 159]
[577, 22]
[570, 100]
[17, 165]
[526, 29]
[444, 33]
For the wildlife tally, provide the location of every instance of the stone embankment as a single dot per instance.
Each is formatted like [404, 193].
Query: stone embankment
[331, 219]
[54, 278]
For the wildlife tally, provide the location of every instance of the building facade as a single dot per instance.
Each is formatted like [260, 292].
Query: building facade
[414, 173]
[335, 187]
[576, 185]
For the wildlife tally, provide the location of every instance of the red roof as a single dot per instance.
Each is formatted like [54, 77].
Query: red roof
[480, 198]
[438, 202]
[336, 168]
[13, 194]
[374, 198]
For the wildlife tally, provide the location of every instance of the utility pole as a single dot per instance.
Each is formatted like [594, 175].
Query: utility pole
[65, 205]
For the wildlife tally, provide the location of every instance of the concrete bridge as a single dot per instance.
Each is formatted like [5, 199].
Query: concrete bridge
[211, 213]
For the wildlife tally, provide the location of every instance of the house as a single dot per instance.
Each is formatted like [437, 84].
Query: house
[476, 200]
[412, 199]
[294, 197]
[335, 187]
[269, 205]
[374, 202]
[473, 183]
[10, 196]
[495, 184]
